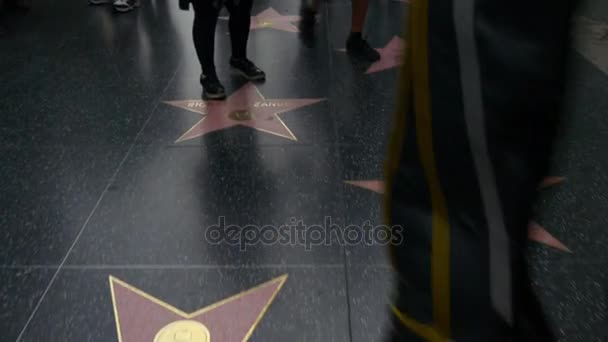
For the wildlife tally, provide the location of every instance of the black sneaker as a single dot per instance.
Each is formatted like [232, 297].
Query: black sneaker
[247, 69]
[308, 20]
[212, 88]
[358, 47]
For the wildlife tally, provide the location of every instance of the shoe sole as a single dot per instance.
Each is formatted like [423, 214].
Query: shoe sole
[240, 72]
[214, 96]
[126, 9]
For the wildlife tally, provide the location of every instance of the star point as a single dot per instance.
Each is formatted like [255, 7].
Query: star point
[536, 232]
[375, 185]
[551, 181]
[141, 317]
[272, 19]
[390, 56]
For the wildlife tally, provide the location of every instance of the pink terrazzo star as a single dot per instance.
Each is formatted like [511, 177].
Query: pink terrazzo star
[246, 107]
[536, 232]
[271, 19]
[390, 56]
[141, 317]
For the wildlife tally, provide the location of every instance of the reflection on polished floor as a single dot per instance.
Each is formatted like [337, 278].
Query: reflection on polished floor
[121, 189]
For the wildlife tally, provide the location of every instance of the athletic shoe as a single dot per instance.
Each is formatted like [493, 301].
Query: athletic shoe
[124, 6]
[308, 19]
[358, 47]
[247, 69]
[212, 88]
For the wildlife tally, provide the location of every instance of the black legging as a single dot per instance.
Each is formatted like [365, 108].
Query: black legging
[205, 20]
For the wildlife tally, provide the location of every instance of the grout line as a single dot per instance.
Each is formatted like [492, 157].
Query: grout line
[86, 222]
[347, 294]
[337, 154]
[178, 266]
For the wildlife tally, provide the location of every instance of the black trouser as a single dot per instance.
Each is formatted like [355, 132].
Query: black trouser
[481, 93]
[205, 20]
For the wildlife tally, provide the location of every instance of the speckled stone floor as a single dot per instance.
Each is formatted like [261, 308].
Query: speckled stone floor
[111, 180]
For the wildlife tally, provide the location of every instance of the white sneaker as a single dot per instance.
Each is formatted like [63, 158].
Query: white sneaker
[99, 2]
[125, 5]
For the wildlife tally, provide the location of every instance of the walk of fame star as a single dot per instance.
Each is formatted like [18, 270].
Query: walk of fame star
[143, 318]
[536, 232]
[245, 107]
[390, 56]
[272, 19]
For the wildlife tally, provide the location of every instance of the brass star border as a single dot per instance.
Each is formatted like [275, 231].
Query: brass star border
[140, 317]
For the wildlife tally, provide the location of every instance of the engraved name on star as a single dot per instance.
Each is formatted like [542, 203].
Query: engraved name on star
[141, 317]
[271, 19]
[246, 107]
[536, 232]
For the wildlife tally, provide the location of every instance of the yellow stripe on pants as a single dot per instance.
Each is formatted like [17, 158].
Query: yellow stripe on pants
[440, 257]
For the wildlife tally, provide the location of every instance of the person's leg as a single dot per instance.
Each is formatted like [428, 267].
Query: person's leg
[309, 9]
[356, 45]
[203, 32]
[3, 29]
[465, 163]
[239, 25]
[358, 15]
[17, 5]
[308, 17]
[312, 5]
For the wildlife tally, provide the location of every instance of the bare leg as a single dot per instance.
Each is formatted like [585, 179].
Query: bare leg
[358, 15]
